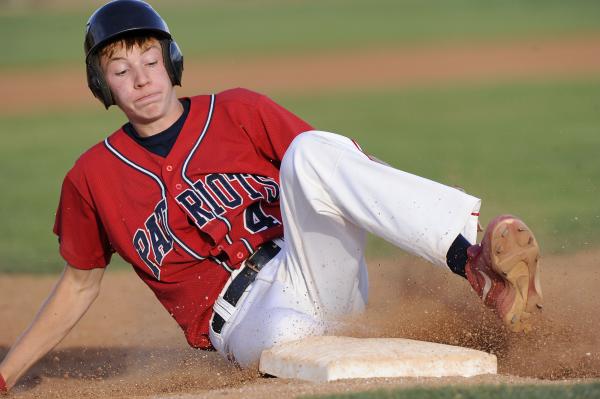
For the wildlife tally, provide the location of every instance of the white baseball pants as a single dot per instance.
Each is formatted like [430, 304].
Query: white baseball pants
[331, 195]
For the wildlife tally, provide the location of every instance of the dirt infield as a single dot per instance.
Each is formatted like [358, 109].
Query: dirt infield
[128, 345]
[59, 88]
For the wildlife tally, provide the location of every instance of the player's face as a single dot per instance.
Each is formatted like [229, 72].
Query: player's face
[141, 85]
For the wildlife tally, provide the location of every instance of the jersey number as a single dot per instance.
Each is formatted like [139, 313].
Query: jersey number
[256, 220]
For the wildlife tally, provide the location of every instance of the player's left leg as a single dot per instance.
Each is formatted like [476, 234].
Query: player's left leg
[328, 174]
[504, 271]
[327, 181]
[331, 193]
[425, 218]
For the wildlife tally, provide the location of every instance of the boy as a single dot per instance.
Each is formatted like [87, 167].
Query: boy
[247, 224]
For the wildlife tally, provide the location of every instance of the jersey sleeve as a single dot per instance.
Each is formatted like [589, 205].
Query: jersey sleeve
[280, 126]
[83, 241]
[270, 127]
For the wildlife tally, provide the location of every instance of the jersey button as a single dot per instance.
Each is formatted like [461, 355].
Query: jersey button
[178, 186]
[169, 168]
[240, 255]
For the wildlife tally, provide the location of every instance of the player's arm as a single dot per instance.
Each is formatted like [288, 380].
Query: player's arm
[67, 303]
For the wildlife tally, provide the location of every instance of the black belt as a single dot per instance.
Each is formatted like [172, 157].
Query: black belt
[252, 266]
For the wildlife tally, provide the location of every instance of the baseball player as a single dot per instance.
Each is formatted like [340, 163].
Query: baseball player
[247, 224]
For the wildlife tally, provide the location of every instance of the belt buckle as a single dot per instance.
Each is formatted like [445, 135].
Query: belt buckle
[251, 265]
[262, 255]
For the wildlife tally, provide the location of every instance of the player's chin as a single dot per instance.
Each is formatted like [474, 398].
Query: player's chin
[146, 113]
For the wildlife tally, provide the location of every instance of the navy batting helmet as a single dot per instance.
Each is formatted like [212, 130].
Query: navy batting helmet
[118, 18]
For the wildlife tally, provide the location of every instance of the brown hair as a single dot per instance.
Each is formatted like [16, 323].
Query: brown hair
[128, 42]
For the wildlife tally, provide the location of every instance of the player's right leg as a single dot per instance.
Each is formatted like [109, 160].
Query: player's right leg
[331, 194]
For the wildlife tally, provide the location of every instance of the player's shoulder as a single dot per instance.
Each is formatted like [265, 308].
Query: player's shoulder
[239, 95]
[93, 158]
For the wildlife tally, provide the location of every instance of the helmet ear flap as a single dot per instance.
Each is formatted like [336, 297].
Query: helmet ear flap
[173, 59]
[97, 83]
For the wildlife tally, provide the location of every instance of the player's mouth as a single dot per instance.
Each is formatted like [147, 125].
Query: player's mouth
[148, 98]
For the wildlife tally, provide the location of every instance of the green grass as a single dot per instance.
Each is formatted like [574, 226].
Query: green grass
[525, 149]
[528, 149]
[217, 28]
[36, 153]
[575, 391]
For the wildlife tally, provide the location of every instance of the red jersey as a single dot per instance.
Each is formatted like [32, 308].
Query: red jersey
[185, 221]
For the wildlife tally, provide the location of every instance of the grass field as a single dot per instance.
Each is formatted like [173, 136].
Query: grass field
[534, 139]
[455, 135]
[577, 391]
[527, 149]
[217, 28]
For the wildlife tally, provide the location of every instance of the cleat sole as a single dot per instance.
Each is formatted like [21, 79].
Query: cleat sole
[516, 258]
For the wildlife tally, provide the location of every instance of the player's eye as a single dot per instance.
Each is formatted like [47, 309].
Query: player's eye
[121, 73]
[153, 63]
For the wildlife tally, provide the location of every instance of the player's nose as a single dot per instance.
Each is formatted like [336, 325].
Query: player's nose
[142, 78]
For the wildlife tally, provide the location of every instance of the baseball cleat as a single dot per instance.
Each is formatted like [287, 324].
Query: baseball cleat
[504, 271]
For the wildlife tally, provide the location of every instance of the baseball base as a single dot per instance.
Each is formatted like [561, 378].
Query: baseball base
[321, 359]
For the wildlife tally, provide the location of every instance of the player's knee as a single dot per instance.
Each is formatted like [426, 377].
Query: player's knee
[277, 326]
[288, 325]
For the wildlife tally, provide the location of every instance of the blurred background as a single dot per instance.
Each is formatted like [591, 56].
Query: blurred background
[501, 98]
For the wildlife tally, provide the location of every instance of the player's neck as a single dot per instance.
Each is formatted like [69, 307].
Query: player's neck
[150, 128]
